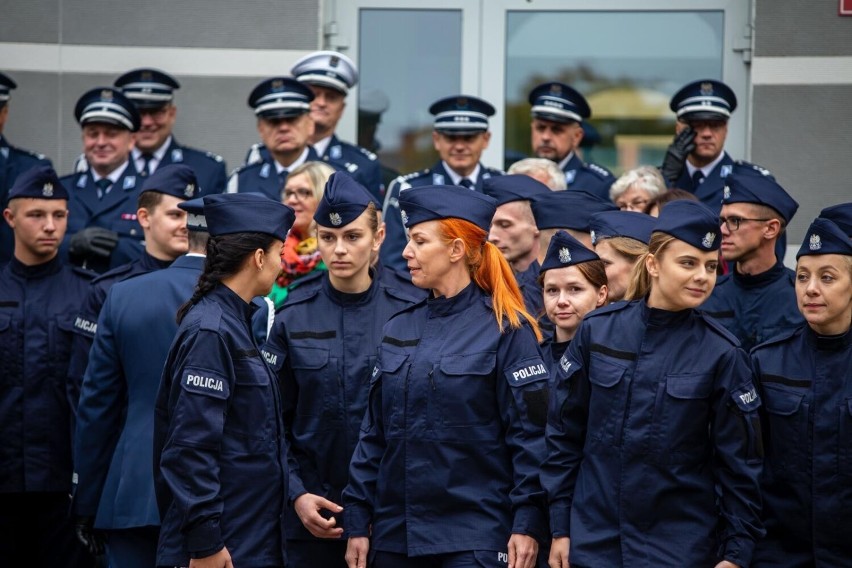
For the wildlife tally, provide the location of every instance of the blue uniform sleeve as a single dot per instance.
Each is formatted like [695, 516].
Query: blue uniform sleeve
[85, 328]
[738, 457]
[373, 178]
[100, 414]
[395, 238]
[220, 179]
[566, 433]
[202, 378]
[522, 394]
[359, 494]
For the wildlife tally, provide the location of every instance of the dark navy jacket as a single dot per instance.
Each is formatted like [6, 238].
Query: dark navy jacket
[395, 239]
[323, 347]
[13, 162]
[451, 444]
[530, 289]
[37, 309]
[220, 455]
[591, 178]
[358, 162]
[208, 167]
[115, 417]
[653, 414]
[262, 177]
[806, 386]
[710, 190]
[755, 308]
[116, 211]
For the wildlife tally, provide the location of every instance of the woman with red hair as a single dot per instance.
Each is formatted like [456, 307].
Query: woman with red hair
[445, 472]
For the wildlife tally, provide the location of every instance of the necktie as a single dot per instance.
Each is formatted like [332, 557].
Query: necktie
[146, 169]
[466, 183]
[697, 179]
[282, 178]
[103, 187]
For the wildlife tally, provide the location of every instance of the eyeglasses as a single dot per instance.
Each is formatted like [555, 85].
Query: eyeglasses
[301, 194]
[733, 223]
[637, 204]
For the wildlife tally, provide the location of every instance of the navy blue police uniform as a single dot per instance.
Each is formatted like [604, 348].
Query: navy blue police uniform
[805, 383]
[209, 168]
[558, 102]
[263, 177]
[113, 450]
[756, 307]
[653, 432]
[447, 462]
[112, 207]
[323, 347]
[220, 455]
[37, 307]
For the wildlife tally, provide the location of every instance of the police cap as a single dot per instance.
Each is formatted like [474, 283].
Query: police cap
[6, 86]
[177, 180]
[558, 102]
[825, 237]
[430, 202]
[280, 97]
[343, 201]
[107, 105]
[691, 222]
[40, 182]
[630, 224]
[841, 214]
[564, 250]
[148, 88]
[763, 190]
[229, 213]
[326, 69]
[513, 187]
[707, 99]
[195, 219]
[569, 209]
[461, 114]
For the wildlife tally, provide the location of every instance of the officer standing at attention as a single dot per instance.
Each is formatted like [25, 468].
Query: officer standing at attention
[39, 296]
[445, 473]
[805, 379]
[103, 231]
[13, 162]
[322, 346]
[330, 75]
[653, 432]
[152, 92]
[113, 445]
[460, 135]
[164, 227]
[220, 455]
[757, 301]
[283, 109]
[558, 112]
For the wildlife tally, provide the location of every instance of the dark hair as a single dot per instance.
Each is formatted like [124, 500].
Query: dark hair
[149, 200]
[640, 279]
[225, 257]
[198, 241]
[673, 194]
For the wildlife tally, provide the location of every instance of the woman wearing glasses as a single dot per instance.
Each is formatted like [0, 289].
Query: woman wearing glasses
[653, 432]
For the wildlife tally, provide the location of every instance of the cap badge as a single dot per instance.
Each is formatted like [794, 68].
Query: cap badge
[594, 238]
[277, 84]
[47, 190]
[106, 95]
[462, 102]
[556, 89]
[334, 61]
[815, 243]
[146, 76]
[190, 189]
[708, 239]
[564, 255]
[726, 194]
[335, 219]
[404, 216]
[707, 89]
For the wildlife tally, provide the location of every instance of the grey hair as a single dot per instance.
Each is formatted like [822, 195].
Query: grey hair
[530, 166]
[643, 177]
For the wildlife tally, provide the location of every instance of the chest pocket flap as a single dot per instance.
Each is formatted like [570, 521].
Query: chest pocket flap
[604, 372]
[5, 321]
[462, 364]
[783, 402]
[689, 385]
[308, 357]
[391, 363]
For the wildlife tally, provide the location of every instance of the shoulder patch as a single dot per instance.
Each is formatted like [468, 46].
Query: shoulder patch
[369, 155]
[85, 326]
[527, 371]
[205, 382]
[214, 157]
[746, 398]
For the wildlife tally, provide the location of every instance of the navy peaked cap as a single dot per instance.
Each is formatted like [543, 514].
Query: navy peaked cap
[430, 202]
[559, 103]
[148, 88]
[229, 213]
[327, 69]
[461, 114]
[6, 86]
[343, 201]
[706, 99]
[40, 182]
[564, 250]
[109, 105]
[691, 222]
[630, 224]
[280, 97]
[513, 187]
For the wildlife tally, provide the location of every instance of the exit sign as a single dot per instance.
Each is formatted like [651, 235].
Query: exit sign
[845, 8]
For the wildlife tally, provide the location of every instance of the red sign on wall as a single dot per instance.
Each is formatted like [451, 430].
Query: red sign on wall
[845, 8]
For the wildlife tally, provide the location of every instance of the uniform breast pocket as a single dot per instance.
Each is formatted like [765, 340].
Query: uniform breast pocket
[251, 412]
[10, 348]
[787, 417]
[683, 415]
[316, 375]
[391, 385]
[844, 439]
[465, 390]
[607, 399]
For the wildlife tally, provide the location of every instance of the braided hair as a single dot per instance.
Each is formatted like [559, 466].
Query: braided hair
[225, 257]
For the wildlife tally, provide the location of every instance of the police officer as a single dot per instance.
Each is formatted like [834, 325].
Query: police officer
[569, 211]
[653, 430]
[558, 112]
[39, 295]
[620, 238]
[322, 346]
[330, 75]
[13, 162]
[220, 456]
[757, 300]
[514, 233]
[152, 91]
[103, 231]
[446, 470]
[114, 436]
[460, 135]
[805, 379]
[164, 227]
[282, 106]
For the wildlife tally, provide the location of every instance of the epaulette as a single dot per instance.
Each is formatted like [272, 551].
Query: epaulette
[718, 327]
[413, 175]
[203, 153]
[598, 171]
[759, 169]
[369, 155]
[409, 308]
[304, 288]
[401, 293]
[211, 318]
[115, 272]
[85, 273]
[26, 152]
[781, 338]
[245, 168]
[608, 309]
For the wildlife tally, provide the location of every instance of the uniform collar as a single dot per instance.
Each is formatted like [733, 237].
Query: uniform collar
[758, 280]
[346, 299]
[564, 163]
[443, 306]
[152, 263]
[456, 178]
[828, 342]
[706, 170]
[656, 316]
[230, 301]
[114, 175]
[299, 161]
[321, 146]
[35, 271]
[3, 142]
[158, 154]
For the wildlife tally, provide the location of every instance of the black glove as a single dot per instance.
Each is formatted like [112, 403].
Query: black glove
[682, 145]
[92, 539]
[93, 241]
